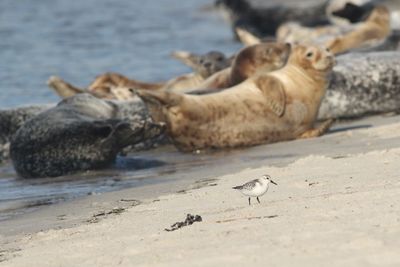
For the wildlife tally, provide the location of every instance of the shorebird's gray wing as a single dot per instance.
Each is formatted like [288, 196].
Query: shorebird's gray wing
[247, 186]
[250, 185]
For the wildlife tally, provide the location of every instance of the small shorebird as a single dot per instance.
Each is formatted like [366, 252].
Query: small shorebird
[255, 188]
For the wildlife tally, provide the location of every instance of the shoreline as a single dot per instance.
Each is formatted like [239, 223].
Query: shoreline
[308, 172]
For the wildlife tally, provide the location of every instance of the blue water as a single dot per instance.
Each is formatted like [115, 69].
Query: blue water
[78, 40]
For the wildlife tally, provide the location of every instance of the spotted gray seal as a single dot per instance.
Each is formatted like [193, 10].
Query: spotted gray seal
[362, 84]
[80, 133]
[11, 120]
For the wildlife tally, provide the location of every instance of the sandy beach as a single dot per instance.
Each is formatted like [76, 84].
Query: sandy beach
[335, 205]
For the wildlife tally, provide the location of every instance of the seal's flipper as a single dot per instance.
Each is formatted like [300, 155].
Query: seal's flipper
[274, 93]
[62, 88]
[164, 98]
[204, 64]
[246, 37]
[318, 131]
[189, 59]
[115, 132]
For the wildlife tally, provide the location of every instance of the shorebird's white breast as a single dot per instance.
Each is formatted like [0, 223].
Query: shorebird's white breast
[258, 190]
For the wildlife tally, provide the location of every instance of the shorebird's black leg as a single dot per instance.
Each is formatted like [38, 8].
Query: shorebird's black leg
[249, 202]
[258, 200]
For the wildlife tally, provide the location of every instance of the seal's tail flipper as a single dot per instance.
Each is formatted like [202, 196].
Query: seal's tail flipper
[189, 59]
[318, 131]
[62, 88]
[115, 132]
[164, 98]
[123, 133]
[246, 37]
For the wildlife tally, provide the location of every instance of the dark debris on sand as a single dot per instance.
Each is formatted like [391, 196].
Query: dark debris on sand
[190, 219]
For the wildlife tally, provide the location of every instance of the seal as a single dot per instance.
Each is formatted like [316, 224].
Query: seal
[369, 33]
[345, 12]
[263, 21]
[265, 57]
[266, 108]
[363, 84]
[116, 86]
[206, 64]
[246, 38]
[11, 120]
[340, 39]
[80, 133]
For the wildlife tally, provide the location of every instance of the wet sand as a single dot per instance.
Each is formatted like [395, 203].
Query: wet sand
[335, 204]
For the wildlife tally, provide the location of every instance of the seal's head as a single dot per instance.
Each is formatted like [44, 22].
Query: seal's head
[312, 58]
[211, 63]
[260, 57]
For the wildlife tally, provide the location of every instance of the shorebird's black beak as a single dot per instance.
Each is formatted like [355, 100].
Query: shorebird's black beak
[273, 182]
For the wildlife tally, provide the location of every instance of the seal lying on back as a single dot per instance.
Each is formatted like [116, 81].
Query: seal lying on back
[277, 106]
[80, 133]
[339, 39]
[371, 32]
[265, 57]
[114, 85]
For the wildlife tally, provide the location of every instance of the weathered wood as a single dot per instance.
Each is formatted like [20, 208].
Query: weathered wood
[362, 84]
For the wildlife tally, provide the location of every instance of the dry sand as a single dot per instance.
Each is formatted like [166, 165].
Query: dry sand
[326, 211]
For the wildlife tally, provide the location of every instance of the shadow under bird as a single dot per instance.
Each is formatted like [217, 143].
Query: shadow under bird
[255, 188]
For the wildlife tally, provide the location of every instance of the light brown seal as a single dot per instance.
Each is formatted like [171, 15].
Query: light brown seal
[265, 57]
[266, 108]
[374, 30]
[116, 86]
[206, 64]
[340, 39]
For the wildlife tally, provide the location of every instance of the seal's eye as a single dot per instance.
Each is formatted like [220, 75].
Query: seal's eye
[309, 54]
